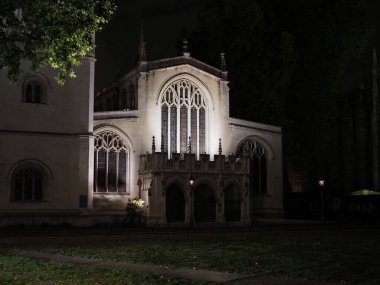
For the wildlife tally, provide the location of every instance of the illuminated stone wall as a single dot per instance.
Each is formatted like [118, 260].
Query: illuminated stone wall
[50, 138]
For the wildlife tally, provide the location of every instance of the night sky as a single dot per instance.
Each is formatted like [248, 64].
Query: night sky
[164, 22]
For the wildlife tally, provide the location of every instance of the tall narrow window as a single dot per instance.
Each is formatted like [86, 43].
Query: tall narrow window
[28, 183]
[111, 157]
[34, 92]
[187, 104]
[258, 164]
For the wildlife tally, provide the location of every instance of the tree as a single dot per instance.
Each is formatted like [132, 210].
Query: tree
[287, 61]
[52, 33]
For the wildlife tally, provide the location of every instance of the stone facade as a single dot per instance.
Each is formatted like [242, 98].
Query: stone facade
[140, 115]
[62, 163]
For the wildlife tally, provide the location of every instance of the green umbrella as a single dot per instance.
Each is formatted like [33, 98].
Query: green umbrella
[365, 192]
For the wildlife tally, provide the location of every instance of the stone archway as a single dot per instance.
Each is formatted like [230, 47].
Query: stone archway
[204, 204]
[232, 203]
[175, 204]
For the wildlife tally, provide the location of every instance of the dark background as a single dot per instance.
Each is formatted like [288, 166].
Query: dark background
[164, 23]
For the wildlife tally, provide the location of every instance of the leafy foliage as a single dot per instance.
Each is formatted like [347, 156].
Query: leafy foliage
[49, 32]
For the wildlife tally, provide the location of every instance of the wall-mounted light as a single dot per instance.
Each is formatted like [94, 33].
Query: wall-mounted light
[191, 181]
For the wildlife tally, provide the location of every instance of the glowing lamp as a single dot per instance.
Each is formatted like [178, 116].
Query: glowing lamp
[191, 181]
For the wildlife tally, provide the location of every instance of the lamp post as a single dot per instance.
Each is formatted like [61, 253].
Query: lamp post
[321, 184]
[191, 184]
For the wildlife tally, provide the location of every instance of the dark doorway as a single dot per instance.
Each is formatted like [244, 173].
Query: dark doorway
[204, 204]
[175, 205]
[232, 204]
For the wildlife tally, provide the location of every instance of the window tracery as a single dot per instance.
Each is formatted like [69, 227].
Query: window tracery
[111, 163]
[258, 164]
[28, 183]
[183, 115]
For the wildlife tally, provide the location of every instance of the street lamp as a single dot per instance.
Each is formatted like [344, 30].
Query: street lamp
[191, 184]
[321, 184]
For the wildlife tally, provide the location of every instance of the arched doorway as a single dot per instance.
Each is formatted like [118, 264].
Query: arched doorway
[204, 204]
[175, 204]
[232, 204]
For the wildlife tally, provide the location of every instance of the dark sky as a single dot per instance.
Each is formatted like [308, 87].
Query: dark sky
[164, 21]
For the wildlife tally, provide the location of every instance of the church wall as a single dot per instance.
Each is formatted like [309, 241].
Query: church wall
[53, 134]
[268, 204]
[130, 130]
[156, 80]
[67, 109]
[61, 165]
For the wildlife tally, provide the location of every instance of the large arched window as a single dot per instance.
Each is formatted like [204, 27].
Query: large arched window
[111, 163]
[258, 164]
[183, 115]
[28, 183]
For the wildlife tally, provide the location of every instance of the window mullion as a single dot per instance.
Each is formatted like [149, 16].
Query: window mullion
[106, 182]
[197, 143]
[178, 126]
[96, 166]
[117, 170]
[189, 121]
[169, 130]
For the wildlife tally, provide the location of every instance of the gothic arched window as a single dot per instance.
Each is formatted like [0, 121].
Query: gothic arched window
[34, 92]
[258, 164]
[183, 115]
[111, 163]
[28, 183]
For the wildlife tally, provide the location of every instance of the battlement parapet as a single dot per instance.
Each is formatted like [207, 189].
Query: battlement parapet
[159, 162]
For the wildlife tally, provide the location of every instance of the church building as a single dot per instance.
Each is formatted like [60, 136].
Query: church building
[161, 133]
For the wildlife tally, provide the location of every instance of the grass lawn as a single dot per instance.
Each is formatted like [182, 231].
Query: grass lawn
[16, 270]
[351, 256]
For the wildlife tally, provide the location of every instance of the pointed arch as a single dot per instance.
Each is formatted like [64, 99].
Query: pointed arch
[112, 149]
[258, 151]
[29, 180]
[185, 103]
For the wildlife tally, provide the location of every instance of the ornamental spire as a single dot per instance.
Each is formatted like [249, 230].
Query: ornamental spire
[220, 147]
[153, 144]
[185, 48]
[223, 66]
[142, 50]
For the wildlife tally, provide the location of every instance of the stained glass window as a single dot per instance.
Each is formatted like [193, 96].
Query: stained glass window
[164, 126]
[185, 98]
[173, 129]
[183, 128]
[194, 128]
[202, 130]
[111, 163]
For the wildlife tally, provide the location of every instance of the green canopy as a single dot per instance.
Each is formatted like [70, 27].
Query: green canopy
[365, 192]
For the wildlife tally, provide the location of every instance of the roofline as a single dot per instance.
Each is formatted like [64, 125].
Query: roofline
[253, 125]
